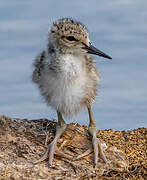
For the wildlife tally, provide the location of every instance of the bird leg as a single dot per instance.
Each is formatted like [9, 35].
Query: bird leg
[95, 141]
[52, 149]
[97, 147]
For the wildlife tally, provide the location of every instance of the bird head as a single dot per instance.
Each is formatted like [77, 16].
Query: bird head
[72, 37]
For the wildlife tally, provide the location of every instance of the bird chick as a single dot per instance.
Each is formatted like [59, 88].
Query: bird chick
[67, 78]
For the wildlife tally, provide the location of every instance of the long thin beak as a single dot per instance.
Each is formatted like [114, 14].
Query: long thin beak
[92, 50]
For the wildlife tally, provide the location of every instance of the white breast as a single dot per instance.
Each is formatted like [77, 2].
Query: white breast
[65, 91]
[71, 66]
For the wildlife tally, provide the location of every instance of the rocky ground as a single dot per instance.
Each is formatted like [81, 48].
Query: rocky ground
[23, 141]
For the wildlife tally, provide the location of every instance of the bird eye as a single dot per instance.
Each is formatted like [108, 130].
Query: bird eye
[70, 38]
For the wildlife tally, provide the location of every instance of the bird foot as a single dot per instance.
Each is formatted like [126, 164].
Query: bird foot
[98, 152]
[51, 150]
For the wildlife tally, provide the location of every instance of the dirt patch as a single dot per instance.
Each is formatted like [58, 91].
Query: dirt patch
[23, 141]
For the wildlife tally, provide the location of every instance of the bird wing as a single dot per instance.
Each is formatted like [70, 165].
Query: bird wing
[90, 67]
[38, 67]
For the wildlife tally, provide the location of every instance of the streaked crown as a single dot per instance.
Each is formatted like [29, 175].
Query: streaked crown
[69, 33]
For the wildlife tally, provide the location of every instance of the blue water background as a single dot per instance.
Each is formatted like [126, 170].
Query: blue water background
[117, 27]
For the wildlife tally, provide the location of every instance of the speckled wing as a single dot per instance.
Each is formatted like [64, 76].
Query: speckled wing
[92, 85]
[92, 71]
[39, 65]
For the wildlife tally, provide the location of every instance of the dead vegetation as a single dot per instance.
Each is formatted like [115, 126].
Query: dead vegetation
[24, 141]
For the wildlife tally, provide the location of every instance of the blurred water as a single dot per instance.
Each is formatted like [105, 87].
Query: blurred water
[118, 27]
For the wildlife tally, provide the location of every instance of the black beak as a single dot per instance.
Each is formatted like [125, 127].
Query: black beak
[92, 50]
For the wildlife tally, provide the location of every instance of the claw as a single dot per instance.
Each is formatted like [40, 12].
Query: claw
[48, 154]
[51, 147]
[84, 154]
[51, 150]
[98, 151]
[102, 155]
[42, 158]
